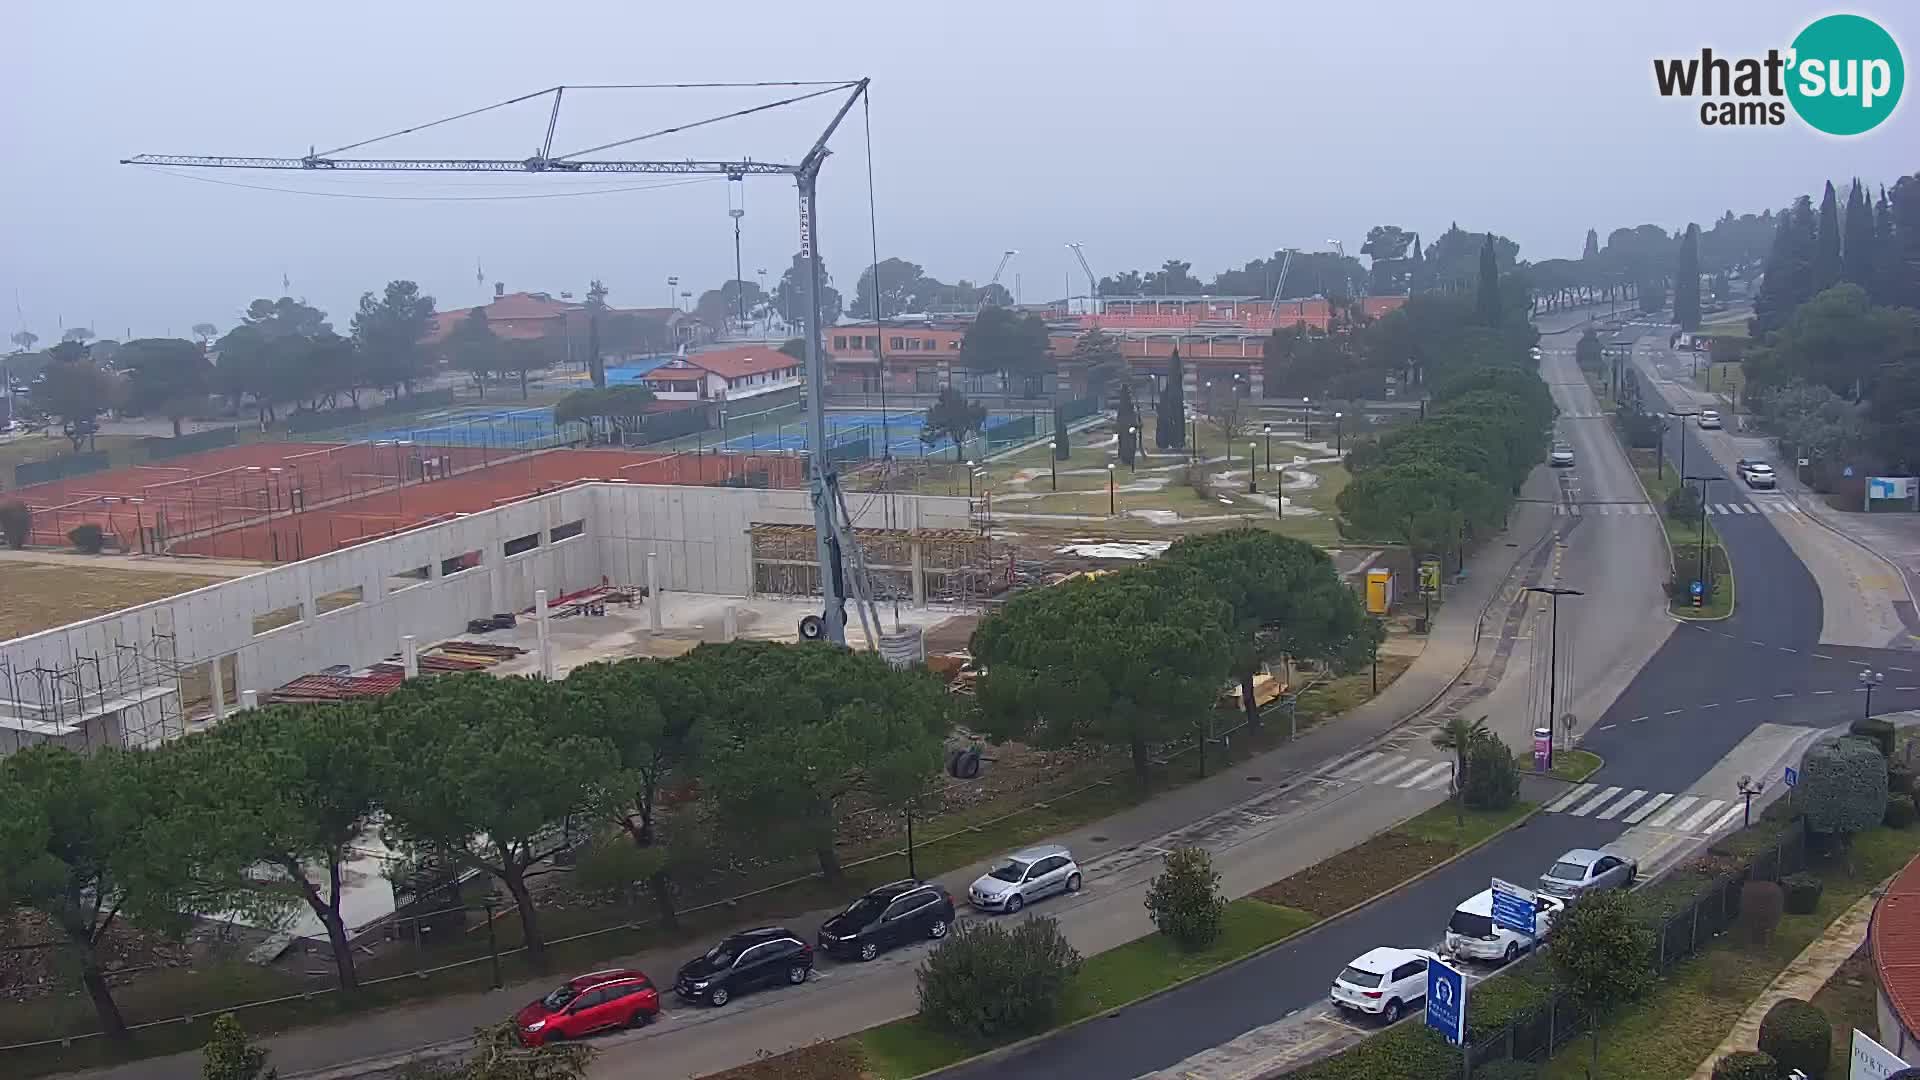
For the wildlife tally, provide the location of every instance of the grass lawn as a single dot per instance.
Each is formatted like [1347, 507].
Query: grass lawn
[1388, 859]
[1685, 538]
[1673, 1029]
[1107, 981]
[42, 595]
[1848, 1001]
[1575, 765]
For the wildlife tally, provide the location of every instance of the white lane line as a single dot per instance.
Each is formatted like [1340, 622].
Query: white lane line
[1648, 807]
[1819, 692]
[1907, 670]
[1788, 694]
[1673, 712]
[1622, 803]
[1637, 719]
[1594, 803]
[1762, 644]
[1699, 817]
[1783, 648]
[1711, 705]
[1821, 656]
[1427, 775]
[1392, 775]
[1360, 766]
[1580, 791]
[1679, 807]
[1907, 688]
[1732, 815]
[1746, 700]
[1610, 727]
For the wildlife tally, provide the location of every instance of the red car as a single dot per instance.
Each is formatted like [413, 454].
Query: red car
[619, 997]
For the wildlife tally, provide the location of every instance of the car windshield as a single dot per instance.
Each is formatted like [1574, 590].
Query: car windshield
[720, 955]
[1011, 870]
[1759, 467]
[1568, 871]
[1355, 977]
[559, 998]
[1467, 924]
[863, 911]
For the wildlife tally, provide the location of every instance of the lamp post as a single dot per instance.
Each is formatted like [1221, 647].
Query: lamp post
[1705, 589]
[1253, 477]
[1267, 431]
[1111, 510]
[1869, 680]
[1306, 408]
[1133, 437]
[1748, 789]
[1553, 657]
[1339, 432]
[1682, 414]
[971, 469]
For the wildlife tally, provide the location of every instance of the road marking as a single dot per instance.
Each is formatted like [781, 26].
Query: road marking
[1354, 770]
[1907, 688]
[1625, 801]
[1859, 663]
[1399, 771]
[1788, 694]
[1907, 670]
[1817, 693]
[1594, 803]
[1728, 818]
[1647, 807]
[1580, 791]
[1745, 700]
[1679, 807]
[1637, 719]
[1783, 648]
[1711, 705]
[1700, 816]
[1762, 644]
[1821, 656]
[1427, 775]
[1673, 712]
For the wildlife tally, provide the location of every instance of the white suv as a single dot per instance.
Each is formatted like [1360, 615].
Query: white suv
[1471, 932]
[1710, 419]
[1382, 982]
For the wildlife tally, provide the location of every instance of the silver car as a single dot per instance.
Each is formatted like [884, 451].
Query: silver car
[1027, 874]
[1585, 870]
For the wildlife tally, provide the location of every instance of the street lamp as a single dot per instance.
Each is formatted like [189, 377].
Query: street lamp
[1682, 414]
[1553, 657]
[1267, 430]
[1339, 432]
[1253, 477]
[1705, 591]
[972, 469]
[1306, 407]
[1133, 438]
[1869, 680]
[1110, 503]
[1748, 789]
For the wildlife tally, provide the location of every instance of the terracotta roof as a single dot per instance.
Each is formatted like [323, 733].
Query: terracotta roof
[1896, 944]
[736, 363]
[520, 305]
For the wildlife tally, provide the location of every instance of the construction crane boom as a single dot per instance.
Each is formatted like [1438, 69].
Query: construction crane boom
[1093, 289]
[1285, 264]
[472, 165]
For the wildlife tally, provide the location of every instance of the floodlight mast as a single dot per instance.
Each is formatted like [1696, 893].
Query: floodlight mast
[833, 524]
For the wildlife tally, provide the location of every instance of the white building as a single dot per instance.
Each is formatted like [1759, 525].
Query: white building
[725, 375]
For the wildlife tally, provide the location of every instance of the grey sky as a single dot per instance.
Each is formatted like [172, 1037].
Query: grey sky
[1214, 133]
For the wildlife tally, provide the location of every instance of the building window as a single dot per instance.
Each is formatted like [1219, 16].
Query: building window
[895, 343]
[931, 345]
[840, 341]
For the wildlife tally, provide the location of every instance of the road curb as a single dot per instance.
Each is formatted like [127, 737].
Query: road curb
[1000, 1053]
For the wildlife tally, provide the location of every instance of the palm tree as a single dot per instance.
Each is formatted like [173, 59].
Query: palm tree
[1459, 735]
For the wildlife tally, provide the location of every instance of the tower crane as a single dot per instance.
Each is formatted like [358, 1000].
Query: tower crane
[1005, 258]
[1093, 290]
[1286, 262]
[834, 537]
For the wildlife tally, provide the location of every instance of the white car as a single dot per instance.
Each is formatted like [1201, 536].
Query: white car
[1382, 982]
[1710, 419]
[1561, 457]
[1027, 874]
[1584, 870]
[1472, 935]
[1757, 474]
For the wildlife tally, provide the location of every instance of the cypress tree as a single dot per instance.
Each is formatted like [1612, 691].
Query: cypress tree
[1789, 271]
[1826, 250]
[1592, 250]
[1127, 419]
[1487, 304]
[1858, 259]
[1416, 269]
[1686, 281]
[1903, 244]
[1886, 254]
[1170, 416]
[1060, 445]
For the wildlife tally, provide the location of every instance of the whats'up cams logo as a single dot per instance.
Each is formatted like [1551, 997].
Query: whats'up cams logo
[1842, 75]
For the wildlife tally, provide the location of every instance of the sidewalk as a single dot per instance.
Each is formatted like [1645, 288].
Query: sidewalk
[1123, 840]
[1802, 979]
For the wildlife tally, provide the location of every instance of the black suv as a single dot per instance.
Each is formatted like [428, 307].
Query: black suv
[749, 960]
[889, 915]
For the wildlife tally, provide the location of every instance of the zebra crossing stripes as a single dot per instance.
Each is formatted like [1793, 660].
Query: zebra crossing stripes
[1643, 510]
[1659, 810]
[1665, 817]
[1396, 770]
[1647, 808]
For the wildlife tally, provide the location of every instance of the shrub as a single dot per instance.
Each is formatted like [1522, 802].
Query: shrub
[1404, 1052]
[1803, 893]
[1843, 786]
[16, 523]
[1493, 780]
[991, 981]
[1746, 1065]
[1184, 901]
[230, 1055]
[1797, 1036]
[1899, 782]
[1684, 503]
[1876, 730]
[1899, 813]
[88, 538]
[1507, 1070]
[1761, 904]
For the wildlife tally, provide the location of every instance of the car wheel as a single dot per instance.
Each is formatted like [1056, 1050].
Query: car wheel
[1513, 951]
[1633, 875]
[1392, 1014]
[1073, 883]
[554, 1036]
[797, 974]
[640, 1018]
[719, 996]
[1015, 903]
[937, 929]
[868, 950]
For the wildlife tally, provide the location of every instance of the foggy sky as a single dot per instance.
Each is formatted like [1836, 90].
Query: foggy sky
[1214, 133]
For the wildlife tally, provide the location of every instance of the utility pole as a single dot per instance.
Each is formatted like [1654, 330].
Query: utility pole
[1706, 590]
[1682, 414]
[1553, 659]
[739, 286]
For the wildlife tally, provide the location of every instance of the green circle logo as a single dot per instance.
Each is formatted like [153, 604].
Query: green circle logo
[1846, 75]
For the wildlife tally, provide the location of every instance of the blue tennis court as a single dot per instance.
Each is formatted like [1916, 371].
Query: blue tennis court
[899, 431]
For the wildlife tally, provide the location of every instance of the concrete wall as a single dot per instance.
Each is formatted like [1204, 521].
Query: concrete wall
[700, 535]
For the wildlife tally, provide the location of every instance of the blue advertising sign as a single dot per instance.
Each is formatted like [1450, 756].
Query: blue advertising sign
[1513, 907]
[1447, 1001]
[1793, 776]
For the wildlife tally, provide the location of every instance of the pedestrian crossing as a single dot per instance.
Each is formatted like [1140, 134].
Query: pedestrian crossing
[1656, 810]
[1644, 510]
[1397, 770]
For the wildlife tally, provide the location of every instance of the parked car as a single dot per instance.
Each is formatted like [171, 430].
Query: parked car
[1472, 935]
[1584, 870]
[1710, 419]
[1757, 474]
[890, 915]
[1382, 982]
[596, 1001]
[749, 960]
[1028, 874]
[1561, 457]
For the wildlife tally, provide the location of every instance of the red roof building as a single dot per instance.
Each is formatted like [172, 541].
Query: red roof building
[1895, 938]
[725, 374]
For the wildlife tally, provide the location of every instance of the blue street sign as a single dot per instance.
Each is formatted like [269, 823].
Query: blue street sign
[1447, 1001]
[1695, 587]
[1848, 471]
[1793, 776]
[1513, 907]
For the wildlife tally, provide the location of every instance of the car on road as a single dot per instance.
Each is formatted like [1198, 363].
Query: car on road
[1585, 870]
[1561, 456]
[1472, 935]
[1382, 982]
[596, 1001]
[1534, 352]
[1710, 419]
[1025, 875]
[1757, 474]
[890, 915]
[749, 960]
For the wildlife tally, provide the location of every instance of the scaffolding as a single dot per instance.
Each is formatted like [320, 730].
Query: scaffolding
[960, 568]
[127, 696]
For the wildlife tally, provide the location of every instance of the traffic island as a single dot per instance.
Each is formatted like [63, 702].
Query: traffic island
[1699, 558]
